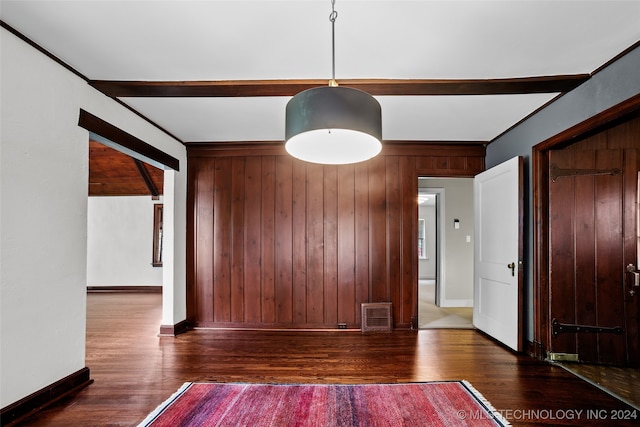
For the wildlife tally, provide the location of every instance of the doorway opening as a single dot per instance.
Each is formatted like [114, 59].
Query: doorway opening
[445, 292]
[602, 154]
[124, 197]
[143, 154]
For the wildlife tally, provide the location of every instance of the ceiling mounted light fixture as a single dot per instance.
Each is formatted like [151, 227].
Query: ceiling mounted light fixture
[333, 124]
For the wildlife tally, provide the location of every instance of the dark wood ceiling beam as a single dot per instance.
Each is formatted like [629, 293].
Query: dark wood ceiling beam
[106, 130]
[144, 173]
[251, 88]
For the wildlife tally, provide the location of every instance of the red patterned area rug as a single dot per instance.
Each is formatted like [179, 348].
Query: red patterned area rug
[448, 403]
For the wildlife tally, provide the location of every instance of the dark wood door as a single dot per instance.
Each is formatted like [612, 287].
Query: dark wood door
[593, 208]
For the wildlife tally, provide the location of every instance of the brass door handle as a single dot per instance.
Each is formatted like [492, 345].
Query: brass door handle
[512, 266]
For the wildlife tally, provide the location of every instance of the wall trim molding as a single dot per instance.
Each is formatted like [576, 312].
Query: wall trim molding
[173, 330]
[389, 148]
[136, 289]
[44, 397]
[455, 302]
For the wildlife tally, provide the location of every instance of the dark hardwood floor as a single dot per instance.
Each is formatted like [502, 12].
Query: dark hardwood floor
[135, 370]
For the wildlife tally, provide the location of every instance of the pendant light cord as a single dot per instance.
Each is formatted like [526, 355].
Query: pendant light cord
[332, 18]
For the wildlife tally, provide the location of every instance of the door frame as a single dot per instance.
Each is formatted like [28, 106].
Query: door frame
[540, 186]
[440, 236]
[440, 239]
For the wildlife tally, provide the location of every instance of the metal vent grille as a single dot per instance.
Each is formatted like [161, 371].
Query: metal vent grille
[376, 316]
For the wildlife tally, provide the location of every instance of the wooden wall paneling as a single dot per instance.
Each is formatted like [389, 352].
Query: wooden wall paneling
[585, 244]
[408, 251]
[190, 250]
[378, 287]
[361, 211]
[563, 246]
[253, 240]
[299, 231]
[394, 233]
[441, 163]
[453, 164]
[610, 274]
[347, 302]
[222, 241]
[424, 165]
[193, 183]
[279, 243]
[268, 239]
[237, 238]
[315, 244]
[330, 196]
[284, 240]
[474, 165]
[457, 163]
[204, 242]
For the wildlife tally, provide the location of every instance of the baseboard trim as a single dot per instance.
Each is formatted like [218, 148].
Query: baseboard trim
[12, 414]
[529, 349]
[453, 303]
[173, 330]
[535, 350]
[137, 289]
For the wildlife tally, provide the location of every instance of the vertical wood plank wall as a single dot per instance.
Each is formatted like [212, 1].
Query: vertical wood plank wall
[277, 243]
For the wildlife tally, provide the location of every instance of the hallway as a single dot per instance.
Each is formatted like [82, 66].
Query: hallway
[430, 316]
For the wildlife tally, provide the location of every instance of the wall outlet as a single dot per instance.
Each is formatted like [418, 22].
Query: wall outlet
[342, 326]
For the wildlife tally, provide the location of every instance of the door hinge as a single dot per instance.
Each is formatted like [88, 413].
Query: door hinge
[557, 172]
[558, 328]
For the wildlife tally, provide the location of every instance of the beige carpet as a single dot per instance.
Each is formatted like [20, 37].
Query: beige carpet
[432, 316]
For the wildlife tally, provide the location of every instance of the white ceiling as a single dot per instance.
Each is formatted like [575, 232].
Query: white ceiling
[264, 40]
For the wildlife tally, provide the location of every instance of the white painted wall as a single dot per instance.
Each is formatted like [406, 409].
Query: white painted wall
[43, 216]
[174, 245]
[120, 242]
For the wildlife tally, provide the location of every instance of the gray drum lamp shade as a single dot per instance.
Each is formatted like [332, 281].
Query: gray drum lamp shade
[333, 125]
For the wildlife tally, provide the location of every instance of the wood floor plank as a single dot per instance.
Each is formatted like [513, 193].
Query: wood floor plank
[135, 370]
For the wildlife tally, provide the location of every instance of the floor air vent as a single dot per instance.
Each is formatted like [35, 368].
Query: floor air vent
[376, 316]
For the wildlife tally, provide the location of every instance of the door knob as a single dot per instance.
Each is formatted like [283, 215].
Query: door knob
[636, 277]
[512, 266]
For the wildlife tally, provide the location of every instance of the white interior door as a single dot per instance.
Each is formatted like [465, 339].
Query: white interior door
[497, 290]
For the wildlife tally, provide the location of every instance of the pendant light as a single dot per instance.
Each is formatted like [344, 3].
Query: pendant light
[333, 124]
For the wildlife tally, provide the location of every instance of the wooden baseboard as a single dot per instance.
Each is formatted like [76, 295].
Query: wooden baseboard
[12, 414]
[173, 330]
[136, 289]
[535, 350]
